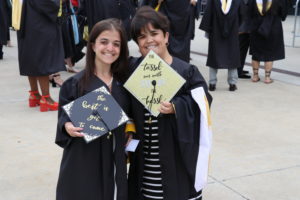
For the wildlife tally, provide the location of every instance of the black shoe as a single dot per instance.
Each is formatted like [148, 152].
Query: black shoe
[232, 87]
[244, 76]
[245, 72]
[1, 56]
[212, 87]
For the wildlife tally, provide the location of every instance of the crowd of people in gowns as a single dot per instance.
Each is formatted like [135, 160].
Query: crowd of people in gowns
[232, 26]
[51, 35]
[229, 25]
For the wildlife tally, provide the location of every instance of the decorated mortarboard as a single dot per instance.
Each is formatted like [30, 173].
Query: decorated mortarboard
[97, 113]
[154, 81]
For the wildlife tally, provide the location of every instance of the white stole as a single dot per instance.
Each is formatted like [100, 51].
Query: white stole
[205, 139]
[225, 6]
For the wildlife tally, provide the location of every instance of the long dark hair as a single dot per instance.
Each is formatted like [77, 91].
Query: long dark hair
[120, 67]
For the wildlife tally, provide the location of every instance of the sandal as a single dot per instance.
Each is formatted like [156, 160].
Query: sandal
[55, 80]
[46, 104]
[268, 80]
[34, 98]
[255, 77]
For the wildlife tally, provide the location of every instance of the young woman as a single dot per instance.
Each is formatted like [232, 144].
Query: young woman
[96, 170]
[164, 164]
[266, 39]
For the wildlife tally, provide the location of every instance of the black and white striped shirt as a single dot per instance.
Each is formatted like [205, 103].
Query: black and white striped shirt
[152, 179]
[152, 187]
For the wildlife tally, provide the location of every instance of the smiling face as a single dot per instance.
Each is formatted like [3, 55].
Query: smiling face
[107, 47]
[153, 39]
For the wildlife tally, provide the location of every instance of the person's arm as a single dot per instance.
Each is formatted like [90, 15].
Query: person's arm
[283, 9]
[206, 23]
[188, 120]
[65, 129]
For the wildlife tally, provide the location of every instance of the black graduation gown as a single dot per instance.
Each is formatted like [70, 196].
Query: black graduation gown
[178, 139]
[97, 10]
[72, 50]
[244, 30]
[40, 44]
[266, 39]
[87, 170]
[223, 48]
[67, 31]
[246, 19]
[4, 19]
[181, 15]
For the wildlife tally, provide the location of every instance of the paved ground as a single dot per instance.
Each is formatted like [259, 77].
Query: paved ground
[256, 144]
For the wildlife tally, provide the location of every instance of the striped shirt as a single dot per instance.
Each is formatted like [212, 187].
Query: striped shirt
[152, 187]
[152, 180]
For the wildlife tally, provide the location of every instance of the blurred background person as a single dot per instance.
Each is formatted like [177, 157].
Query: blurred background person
[182, 15]
[40, 49]
[221, 22]
[244, 36]
[70, 34]
[5, 7]
[9, 3]
[266, 42]
[97, 10]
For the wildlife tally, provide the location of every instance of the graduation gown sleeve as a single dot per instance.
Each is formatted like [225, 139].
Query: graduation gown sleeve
[3, 23]
[178, 139]
[187, 120]
[283, 11]
[206, 23]
[67, 94]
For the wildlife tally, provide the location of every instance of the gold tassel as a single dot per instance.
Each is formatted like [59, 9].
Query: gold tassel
[86, 33]
[130, 127]
[60, 9]
[157, 7]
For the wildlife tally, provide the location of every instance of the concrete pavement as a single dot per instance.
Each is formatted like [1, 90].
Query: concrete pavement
[256, 141]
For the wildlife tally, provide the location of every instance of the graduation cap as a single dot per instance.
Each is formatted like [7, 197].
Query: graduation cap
[154, 81]
[97, 113]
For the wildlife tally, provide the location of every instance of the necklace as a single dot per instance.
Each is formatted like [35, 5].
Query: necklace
[109, 84]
